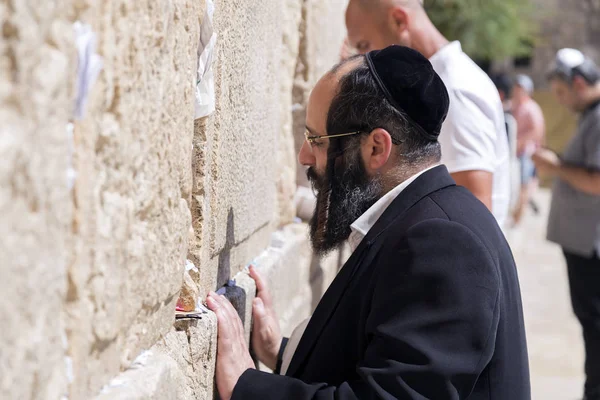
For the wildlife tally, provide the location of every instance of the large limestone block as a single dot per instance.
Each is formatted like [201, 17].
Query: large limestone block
[244, 159]
[246, 122]
[36, 66]
[323, 32]
[196, 355]
[182, 363]
[180, 366]
[286, 155]
[133, 157]
[238, 150]
[285, 265]
[154, 376]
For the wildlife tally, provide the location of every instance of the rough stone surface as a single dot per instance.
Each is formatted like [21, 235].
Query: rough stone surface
[36, 66]
[91, 275]
[319, 51]
[286, 154]
[235, 149]
[133, 157]
[153, 377]
[189, 294]
[285, 265]
[190, 347]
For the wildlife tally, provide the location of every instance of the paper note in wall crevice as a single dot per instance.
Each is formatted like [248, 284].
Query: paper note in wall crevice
[205, 84]
[89, 65]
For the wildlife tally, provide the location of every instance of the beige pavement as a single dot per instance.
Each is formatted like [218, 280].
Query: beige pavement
[554, 338]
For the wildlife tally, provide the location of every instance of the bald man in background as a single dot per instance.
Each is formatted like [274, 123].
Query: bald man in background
[473, 138]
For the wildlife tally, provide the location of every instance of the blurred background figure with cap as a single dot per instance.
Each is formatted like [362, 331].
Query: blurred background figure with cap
[473, 138]
[574, 220]
[531, 131]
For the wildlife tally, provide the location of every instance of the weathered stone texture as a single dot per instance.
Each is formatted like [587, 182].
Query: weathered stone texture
[121, 236]
[322, 33]
[151, 377]
[133, 158]
[191, 345]
[285, 266]
[90, 276]
[244, 157]
[36, 65]
[286, 154]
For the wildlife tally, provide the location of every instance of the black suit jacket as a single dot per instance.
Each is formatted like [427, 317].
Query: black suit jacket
[427, 307]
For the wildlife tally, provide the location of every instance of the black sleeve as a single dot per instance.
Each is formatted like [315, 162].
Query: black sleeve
[432, 324]
[282, 347]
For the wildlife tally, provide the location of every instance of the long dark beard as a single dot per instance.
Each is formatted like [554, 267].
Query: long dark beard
[344, 193]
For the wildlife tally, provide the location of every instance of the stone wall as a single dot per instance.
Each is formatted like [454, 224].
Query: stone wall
[35, 205]
[90, 274]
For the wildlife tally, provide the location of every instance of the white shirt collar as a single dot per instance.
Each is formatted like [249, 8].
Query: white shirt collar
[448, 51]
[365, 222]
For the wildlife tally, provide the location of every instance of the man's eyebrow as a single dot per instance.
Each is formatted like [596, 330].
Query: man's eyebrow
[311, 131]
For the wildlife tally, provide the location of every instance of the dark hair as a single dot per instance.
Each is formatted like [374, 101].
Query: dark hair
[504, 84]
[360, 105]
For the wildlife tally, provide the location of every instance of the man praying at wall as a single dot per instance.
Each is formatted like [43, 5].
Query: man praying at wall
[428, 306]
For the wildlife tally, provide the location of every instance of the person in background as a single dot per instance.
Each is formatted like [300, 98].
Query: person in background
[574, 221]
[531, 131]
[473, 137]
[504, 84]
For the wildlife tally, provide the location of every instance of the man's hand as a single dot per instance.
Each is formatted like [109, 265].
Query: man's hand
[233, 357]
[266, 335]
[547, 162]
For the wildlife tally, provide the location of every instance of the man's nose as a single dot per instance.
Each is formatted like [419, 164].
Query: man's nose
[305, 156]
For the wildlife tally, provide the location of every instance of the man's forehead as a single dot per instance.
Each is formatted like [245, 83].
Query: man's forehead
[328, 85]
[346, 68]
[323, 94]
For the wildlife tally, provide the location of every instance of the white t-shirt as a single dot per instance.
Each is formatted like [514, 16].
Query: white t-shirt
[474, 136]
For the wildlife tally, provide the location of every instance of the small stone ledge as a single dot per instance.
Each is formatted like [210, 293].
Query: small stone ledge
[181, 364]
[153, 376]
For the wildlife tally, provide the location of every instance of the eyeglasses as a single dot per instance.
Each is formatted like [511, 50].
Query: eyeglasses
[311, 139]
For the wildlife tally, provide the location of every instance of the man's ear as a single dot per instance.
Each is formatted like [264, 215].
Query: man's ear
[376, 149]
[398, 18]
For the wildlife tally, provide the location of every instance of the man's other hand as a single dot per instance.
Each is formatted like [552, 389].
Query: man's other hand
[266, 335]
[547, 162]
[233, 357]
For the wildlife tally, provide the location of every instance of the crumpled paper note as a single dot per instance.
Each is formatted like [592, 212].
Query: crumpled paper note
[89, 65]
[205, 84]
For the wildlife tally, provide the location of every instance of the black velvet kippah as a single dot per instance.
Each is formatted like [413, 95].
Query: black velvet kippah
[412, 86]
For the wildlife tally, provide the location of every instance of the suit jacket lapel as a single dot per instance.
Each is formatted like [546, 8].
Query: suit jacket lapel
[431, 181]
